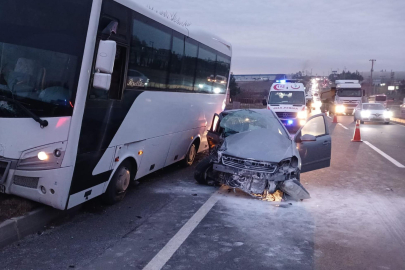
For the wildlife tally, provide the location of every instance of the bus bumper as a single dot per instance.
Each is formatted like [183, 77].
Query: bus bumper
[50, 187]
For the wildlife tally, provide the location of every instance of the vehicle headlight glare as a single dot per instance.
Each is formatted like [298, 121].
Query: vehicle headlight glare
[365, 114]
[302, 114]
[217, 90]
[42, 156]
[387, 114]
[340, 109]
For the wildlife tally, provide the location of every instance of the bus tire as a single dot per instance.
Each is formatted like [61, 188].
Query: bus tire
[119, 183]
[190, 156]
[201, 171]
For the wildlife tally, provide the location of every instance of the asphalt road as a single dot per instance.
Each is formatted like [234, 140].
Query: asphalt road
[354, 220]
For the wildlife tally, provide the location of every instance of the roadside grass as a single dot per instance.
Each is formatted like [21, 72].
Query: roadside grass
[12, 206]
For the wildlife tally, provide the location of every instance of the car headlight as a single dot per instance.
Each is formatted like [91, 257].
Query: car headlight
[365, 114]
[387, 114]
[302, 115]
[340, 109]
[43, 158]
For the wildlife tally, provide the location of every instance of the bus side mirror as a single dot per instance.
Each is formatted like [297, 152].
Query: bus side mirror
[104, 64]
[364, 93]
[264, 102]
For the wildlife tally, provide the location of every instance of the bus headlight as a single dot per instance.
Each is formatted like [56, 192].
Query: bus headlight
[302, 115]
[387, 114]
[365, 114]
[340, 109]
[43, 158]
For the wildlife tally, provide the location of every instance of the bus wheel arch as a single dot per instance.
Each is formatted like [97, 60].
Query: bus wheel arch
[120, 181]
[192, 152]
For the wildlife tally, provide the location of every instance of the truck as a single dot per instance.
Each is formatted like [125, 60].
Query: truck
[342, 97]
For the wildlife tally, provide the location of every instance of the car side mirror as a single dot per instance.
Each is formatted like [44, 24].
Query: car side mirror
[264, 102]
[308, 138]
[104, 64]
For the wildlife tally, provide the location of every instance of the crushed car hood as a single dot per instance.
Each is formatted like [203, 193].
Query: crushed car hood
[258, 145]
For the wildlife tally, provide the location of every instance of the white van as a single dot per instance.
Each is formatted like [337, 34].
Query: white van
[287, 100]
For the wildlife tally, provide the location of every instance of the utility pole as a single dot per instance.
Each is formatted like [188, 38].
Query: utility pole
[372, 70]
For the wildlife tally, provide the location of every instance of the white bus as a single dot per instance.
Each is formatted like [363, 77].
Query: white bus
[96, 93]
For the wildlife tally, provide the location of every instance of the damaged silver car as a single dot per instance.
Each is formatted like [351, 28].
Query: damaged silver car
[251, 150]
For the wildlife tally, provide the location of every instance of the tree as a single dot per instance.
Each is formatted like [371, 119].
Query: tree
[234, 88]
[171, 16]
[346, 75]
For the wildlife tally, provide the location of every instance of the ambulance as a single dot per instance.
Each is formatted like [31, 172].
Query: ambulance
[288, 100]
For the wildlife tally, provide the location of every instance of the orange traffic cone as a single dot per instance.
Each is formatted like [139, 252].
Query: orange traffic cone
[357, 136]
[334, 119]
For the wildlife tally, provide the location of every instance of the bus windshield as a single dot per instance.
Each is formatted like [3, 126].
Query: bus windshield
[287, 97]
[41, 47]
[350, 92]
[381, 98]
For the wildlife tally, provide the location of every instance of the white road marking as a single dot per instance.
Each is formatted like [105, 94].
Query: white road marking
[396, 163]
[342, 126]
[177, 240]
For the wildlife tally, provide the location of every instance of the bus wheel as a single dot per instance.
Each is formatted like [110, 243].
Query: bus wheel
[190, 156]
[119, 184]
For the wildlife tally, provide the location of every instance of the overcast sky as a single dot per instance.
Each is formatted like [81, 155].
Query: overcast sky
[285, 36]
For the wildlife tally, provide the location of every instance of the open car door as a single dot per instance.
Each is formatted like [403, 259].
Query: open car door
[314, 144]
[213, 133]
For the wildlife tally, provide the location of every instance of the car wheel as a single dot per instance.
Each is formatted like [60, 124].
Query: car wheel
[190, 156]
[361, 122]
[387, 123]
[202, 170]
[119, 184]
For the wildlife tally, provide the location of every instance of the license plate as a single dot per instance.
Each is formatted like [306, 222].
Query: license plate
[2, 189]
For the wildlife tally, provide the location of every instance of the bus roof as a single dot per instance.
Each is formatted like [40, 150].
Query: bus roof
[203, 37]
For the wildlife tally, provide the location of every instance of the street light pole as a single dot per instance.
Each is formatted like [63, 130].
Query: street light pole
[372, 70]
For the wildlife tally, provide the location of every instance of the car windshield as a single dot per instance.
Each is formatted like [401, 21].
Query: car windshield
[247, 121]
[350, 92]
[376, 106]
[41, 47]
[287, 97]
